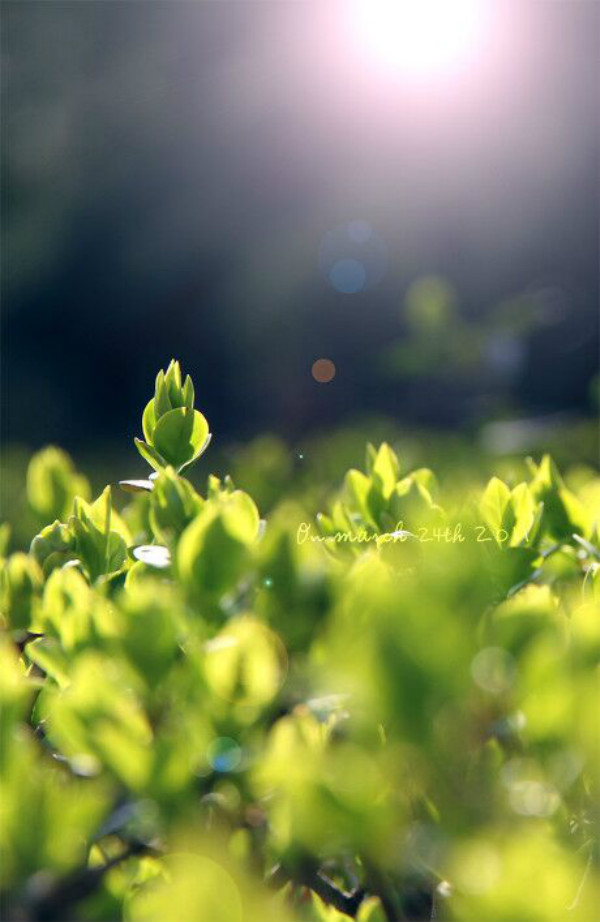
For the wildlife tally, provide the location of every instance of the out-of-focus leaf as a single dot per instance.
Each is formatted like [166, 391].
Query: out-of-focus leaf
[245, 663]
[53, 483]
[494, 502]
[54, 546]
[213, 547]
[174, 505]
[20, 588]
[385, 470]
[99, 715]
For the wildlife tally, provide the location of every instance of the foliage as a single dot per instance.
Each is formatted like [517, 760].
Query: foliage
[386, 712]
[175, 432]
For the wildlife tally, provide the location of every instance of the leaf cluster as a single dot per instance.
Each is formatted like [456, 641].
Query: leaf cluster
[207, 719]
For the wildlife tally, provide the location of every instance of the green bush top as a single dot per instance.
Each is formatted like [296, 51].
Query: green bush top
[384, 712]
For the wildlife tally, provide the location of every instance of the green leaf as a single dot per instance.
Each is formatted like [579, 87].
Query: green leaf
[386, 470]
[54, 546]
[53, 483]
[563, 512]
[427, 479]
[180, 435]
[524, 512]
[162, 404]
[358, 487]
[511, 567]
[5, 531]
[188, 393]
[150, 454]
[240, 516]
[174, 504]
[546, 475]
[99, 714]
[20, 587]
[175, 433]
[217, 487]
[245, 663]
[73, 613]
[198, 453]
[46, 652]
[149, 421]
[371, 910]
[213, 548]
[102, 549]
[148, 630]
[493, 503]
[173, 384]
[370, 458]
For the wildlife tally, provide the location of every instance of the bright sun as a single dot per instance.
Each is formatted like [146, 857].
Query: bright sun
[420, 36]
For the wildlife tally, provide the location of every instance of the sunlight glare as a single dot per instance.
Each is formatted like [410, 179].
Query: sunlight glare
[420, 36]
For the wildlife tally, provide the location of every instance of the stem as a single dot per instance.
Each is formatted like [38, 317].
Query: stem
[306, 876]
[53, 905]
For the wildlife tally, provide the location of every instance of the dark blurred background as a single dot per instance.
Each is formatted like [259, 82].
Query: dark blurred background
[246, 187]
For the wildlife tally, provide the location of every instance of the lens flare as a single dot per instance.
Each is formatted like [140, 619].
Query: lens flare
[420, 36]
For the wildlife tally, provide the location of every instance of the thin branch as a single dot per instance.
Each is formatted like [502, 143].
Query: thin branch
[26, 638]
[305, 876]
[53, 904]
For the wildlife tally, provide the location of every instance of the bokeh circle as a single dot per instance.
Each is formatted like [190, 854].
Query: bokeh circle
[352, 257]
